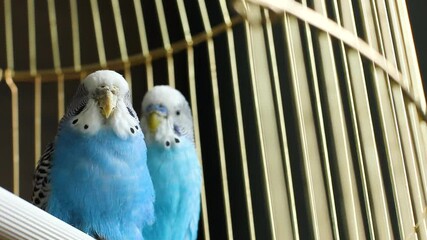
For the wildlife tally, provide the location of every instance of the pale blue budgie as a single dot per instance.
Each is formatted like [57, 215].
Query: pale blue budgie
[94, 175]
[174, 167]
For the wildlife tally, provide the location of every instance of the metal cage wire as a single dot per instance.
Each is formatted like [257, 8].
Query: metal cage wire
[309, 116]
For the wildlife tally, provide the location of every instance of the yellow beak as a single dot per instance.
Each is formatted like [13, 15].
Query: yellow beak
[154, 120]
[107, 102]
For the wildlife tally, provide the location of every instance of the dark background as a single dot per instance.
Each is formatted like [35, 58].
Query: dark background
[417, 10]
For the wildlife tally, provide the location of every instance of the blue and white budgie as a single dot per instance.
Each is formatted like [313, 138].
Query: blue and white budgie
[94, 175]
[174, 167]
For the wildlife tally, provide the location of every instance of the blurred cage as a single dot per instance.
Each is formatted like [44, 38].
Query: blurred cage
[310, 118]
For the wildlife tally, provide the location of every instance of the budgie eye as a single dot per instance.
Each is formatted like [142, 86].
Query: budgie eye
[178, 113]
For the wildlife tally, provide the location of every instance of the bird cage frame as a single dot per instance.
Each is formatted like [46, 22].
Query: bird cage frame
[309, 116]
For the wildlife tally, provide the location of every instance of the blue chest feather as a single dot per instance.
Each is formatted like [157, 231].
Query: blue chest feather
[177, 180]
[100, 183]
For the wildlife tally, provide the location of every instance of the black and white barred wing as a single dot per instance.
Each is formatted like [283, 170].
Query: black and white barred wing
[41, 179]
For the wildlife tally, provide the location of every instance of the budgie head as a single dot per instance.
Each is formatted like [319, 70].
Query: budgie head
[166, 117]
[102, 101]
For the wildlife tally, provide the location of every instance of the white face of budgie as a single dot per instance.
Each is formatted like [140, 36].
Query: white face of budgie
[103, 101]
[166, 116]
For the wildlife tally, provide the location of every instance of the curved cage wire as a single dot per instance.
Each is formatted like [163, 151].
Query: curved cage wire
[310, 116]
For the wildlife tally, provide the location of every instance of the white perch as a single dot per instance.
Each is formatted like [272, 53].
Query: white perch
[21, 220]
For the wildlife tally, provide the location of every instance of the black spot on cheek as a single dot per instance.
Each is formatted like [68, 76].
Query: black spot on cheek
[131, 129]
[167, 143]
[86, 126]
[41, 195]
[177, 140]
[136, 127]
[75, 121]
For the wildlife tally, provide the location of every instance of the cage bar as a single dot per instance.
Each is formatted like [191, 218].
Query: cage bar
[350, 195]
[54, 35]
[119, 28]
[402, 119]
[10, 59]
[166, 42]
[411, 56]
[319, 210]
[238, 106]
[411, 109]
[98, 33]
[271, 155]
[75, 35]
[15, 129]
[376, 208]
[37, 118]
[194, 108]
[144, 43]
[32, 37]
[60, 96]
[391, 138]
[218, 123]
